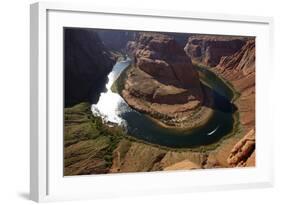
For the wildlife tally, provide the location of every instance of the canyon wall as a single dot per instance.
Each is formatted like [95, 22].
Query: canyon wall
[86, 65]
[239, 70]
[117, 40]
[208, 49]
[235, 63]
[237, 66]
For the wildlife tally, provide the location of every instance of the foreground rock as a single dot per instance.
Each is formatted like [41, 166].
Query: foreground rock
[91, 147]
[164, 84]
[88, 144]
[243, 150]
[130, 156]
[87, 64]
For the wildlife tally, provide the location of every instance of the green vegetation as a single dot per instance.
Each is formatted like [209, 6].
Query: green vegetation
[88, 140]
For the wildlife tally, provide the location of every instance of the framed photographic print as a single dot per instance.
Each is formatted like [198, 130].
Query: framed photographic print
[127, 102]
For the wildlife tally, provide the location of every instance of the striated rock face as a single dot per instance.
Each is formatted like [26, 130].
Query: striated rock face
[243, 153]
[241, 62]
[163, 81]
[86, 63]
[161, 57]
[208, 49]
[239, 69]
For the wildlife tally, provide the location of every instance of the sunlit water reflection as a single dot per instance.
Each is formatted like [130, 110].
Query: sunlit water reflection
[109, 106]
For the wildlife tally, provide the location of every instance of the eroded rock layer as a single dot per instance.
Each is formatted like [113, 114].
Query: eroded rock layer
[208, 49]
[241, 154]
[239, 70]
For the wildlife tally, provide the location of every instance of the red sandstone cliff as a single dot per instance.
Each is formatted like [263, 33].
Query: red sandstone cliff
[236, 66]
[208, 49]
[234, 61]
[239, 69]
[243, 153]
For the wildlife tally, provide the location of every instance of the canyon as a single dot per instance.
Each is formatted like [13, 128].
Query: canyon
[163, 83]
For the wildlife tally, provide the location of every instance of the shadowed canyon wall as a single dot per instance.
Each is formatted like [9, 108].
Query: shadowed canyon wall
[86, 65]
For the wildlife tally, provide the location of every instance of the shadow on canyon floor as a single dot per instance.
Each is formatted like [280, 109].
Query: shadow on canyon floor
[219, 102]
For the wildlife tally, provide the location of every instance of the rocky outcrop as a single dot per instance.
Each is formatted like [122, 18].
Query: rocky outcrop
[163, 83]
[86, 65]
[243, 151]
[239, 65]
[179, 38]
[139, 157]
[208, 49]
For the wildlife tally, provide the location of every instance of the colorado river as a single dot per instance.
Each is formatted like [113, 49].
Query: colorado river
[112, 108]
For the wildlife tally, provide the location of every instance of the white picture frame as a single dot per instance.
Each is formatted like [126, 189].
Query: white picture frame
[47, 182]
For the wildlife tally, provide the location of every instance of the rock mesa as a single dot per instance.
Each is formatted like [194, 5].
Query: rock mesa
[162, 82]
